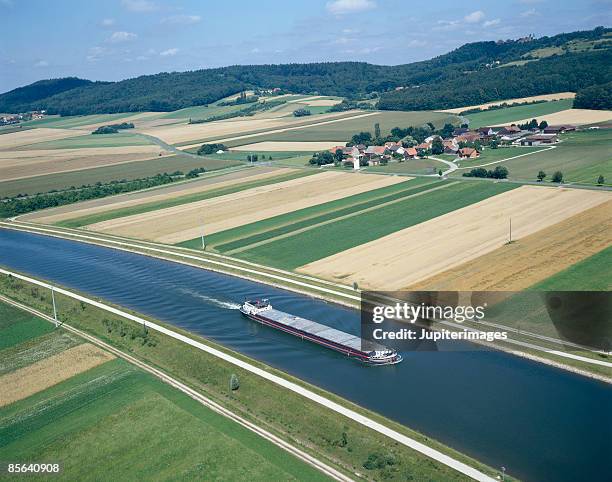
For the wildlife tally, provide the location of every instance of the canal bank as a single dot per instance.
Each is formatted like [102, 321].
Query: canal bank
[474, 400]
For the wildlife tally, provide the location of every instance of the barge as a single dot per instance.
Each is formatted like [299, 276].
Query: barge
[262, 312]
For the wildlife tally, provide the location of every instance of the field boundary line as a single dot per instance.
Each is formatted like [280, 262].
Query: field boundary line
[194, 394]
[315, 397]
[341, 218]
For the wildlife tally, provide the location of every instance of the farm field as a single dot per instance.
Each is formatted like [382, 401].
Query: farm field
[342, 131]
[142, 202]
[88, 141]
[116, 172]
[18, 164]
[512, 114]
[410, 166]
[298, 147]
[19, 326]
[325, 240]
[245, 237]
[422, 250]
[534, 258]
[489, 155]
[588, 274]
[32, 136]
[116, 421]
[559, 96]
[572, 116]
[184, 222]
[70, 122]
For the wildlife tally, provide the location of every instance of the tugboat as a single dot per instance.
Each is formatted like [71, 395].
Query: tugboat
[262, 312]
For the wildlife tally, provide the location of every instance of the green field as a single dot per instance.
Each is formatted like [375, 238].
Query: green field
[262, 155]
[581, 157]
[324, 239]
[115, 422]
[338, 131]
[510, 114]
[76, 120]
[411, 166]
[177, 201]
[99, 140]
[17, 326]
[128, 170]
[591, 274]
[494, 155]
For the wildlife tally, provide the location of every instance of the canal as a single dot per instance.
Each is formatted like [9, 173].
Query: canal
[539, 422]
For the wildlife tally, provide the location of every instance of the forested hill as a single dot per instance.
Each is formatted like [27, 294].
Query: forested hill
[472, 74]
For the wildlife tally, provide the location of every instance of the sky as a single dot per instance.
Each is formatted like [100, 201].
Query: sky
[118, 39]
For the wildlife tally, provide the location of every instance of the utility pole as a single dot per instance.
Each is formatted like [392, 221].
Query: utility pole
[54, 307]
[203, 242]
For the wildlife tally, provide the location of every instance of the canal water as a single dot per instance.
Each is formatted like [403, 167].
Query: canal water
[539, 422]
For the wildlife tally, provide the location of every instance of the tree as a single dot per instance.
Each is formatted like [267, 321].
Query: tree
[207, 149]
[377, 130]
[301, 112]
[557, 177]
[338, 155]
[500, 172]
[361, 138]
[543, 125]
[494, 144]
[322, 158]
[600, 180]
[440, 172]
[541, 176]
[234, 384]
[447, 130]
[437, 146]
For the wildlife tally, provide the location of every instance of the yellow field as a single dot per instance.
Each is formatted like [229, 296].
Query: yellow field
[28, 163]
[32, 136]
[572, 116]
[50, 371]
[184, 222]
[559, 96]
[280, 146]
[516, 266]
[419, 252]
[96, 206]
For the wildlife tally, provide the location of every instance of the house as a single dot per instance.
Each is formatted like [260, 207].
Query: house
[514, 137]
[391, 145]
[451, 146]
[539, 139]
[509, 130]
[430, 139]
[559, 129]
[337, 148]
[468, 137]
[373, 152]
[351, 152]
[460, 131]
[375, 161]
[410, 153]
[395, 149]
[468, 153]
[361, 147]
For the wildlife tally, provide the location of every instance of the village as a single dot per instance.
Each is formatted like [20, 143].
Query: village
[463, 143]
[10, 119]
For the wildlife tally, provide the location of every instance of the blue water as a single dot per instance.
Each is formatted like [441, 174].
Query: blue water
[539, 422]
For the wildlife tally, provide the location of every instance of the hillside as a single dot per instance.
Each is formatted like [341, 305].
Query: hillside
[472, 74]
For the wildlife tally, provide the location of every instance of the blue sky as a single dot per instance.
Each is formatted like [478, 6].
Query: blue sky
[117, 39]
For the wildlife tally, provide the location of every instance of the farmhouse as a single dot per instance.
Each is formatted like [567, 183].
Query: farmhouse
[468, 153]
[410, 153]
[559, 129]
[539, 139]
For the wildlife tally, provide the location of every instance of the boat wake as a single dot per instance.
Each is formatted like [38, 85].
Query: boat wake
[226, 304]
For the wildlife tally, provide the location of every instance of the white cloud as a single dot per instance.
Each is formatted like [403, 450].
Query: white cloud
[416, 43]
[107, 22]
[181, 19]
[529, 13]
[139, 5]
[118, 37]
[491, 23]
[41, 63]
[339, 7]
[475, 17]
[95, 53]
[169, 52]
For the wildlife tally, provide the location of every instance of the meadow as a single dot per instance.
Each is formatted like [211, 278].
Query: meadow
[512, 114]
[327, 239]
[17, 326]
[70, 122]
[115, 421]
[98, 140]
[411, 166]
